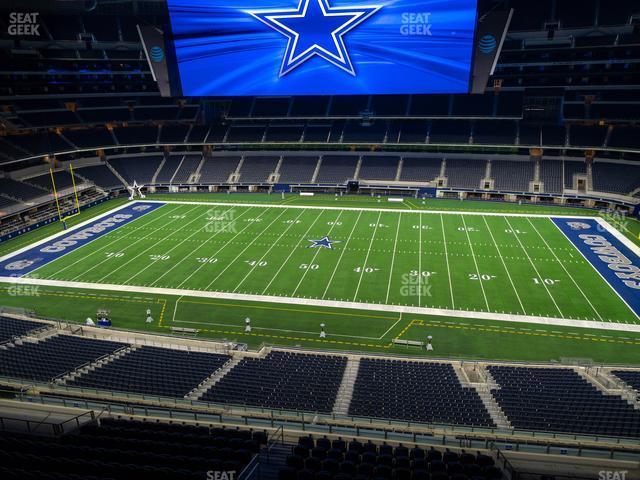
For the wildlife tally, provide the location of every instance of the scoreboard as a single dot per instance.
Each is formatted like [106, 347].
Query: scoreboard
[228, 48]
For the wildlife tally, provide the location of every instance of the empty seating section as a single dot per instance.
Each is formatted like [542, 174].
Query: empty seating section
[46, 359]
[296, 169]
[415, 391]
[5, 202]
[420, 169]
[501, 132]
[188, 166]
[337, 168]
[450, 131]
[136, 135]
[169, 168]
[128, 450]
[153, 371]
[100, 175]
[630, 377]
[513, 176]
[325, 459]
[587, 136]
[615, 177]
[90, 137]
[140, 169]
[11, 328]
[558, 399]
[551, 175]
[62, 180]
[464, 173]
[287, 380]
[284, 133]
[218, 169]
[256, 169]
[572, 168]
[622, 137]
[378, 168]
[20, 190]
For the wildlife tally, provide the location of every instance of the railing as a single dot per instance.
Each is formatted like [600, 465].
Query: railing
[181, 409]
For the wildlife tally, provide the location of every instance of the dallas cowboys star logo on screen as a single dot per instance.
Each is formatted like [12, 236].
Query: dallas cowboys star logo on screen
[315, 29]
[324, 242]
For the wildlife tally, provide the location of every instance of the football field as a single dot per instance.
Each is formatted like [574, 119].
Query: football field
[506, 265]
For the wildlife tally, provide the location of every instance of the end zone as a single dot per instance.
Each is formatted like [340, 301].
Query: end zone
[28, 259]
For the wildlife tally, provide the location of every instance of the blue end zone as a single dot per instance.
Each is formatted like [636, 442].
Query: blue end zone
[35, 257]
[616, 262]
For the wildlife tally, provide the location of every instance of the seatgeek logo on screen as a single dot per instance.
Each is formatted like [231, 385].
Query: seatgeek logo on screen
[322, 47]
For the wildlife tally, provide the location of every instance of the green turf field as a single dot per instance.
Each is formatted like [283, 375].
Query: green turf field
[469, 268]
[479, 263]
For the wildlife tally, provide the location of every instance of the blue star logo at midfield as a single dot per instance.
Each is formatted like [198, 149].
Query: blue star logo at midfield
[324, 242]
[315, 28]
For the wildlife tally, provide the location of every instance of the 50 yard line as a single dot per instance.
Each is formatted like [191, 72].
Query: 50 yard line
[344, 249]
[315, 255]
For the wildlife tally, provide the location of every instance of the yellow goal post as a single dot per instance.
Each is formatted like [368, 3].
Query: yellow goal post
[62, 218]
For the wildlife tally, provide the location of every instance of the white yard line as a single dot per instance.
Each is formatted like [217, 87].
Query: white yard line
[420, 260]
[273, 244]
[565, 270]
[359, 209]
[505, 266]
[214, 254]
[93, 252]
[390, 328]
[475, 262]
[366, 258]
[286, 260]
[335, 269]
[326, 303]
[393, 258]
[244, 250]
[153, 245]
[198, 247]
[315, 255]
[446, 256]
[534, 267]
[181, 242]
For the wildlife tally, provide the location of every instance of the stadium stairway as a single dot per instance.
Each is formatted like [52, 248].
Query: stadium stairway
[92, 366]
[272, 459]
[117, 174]
[214, 378]
[484, 387]
[345, 392]
[609, 385]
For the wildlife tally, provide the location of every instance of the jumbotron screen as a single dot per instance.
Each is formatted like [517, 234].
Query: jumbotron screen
[322, 47]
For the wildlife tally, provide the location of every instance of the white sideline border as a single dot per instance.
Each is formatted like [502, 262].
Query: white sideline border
[622, 327]
[358, 209]
[68, 231]
[327, 303]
